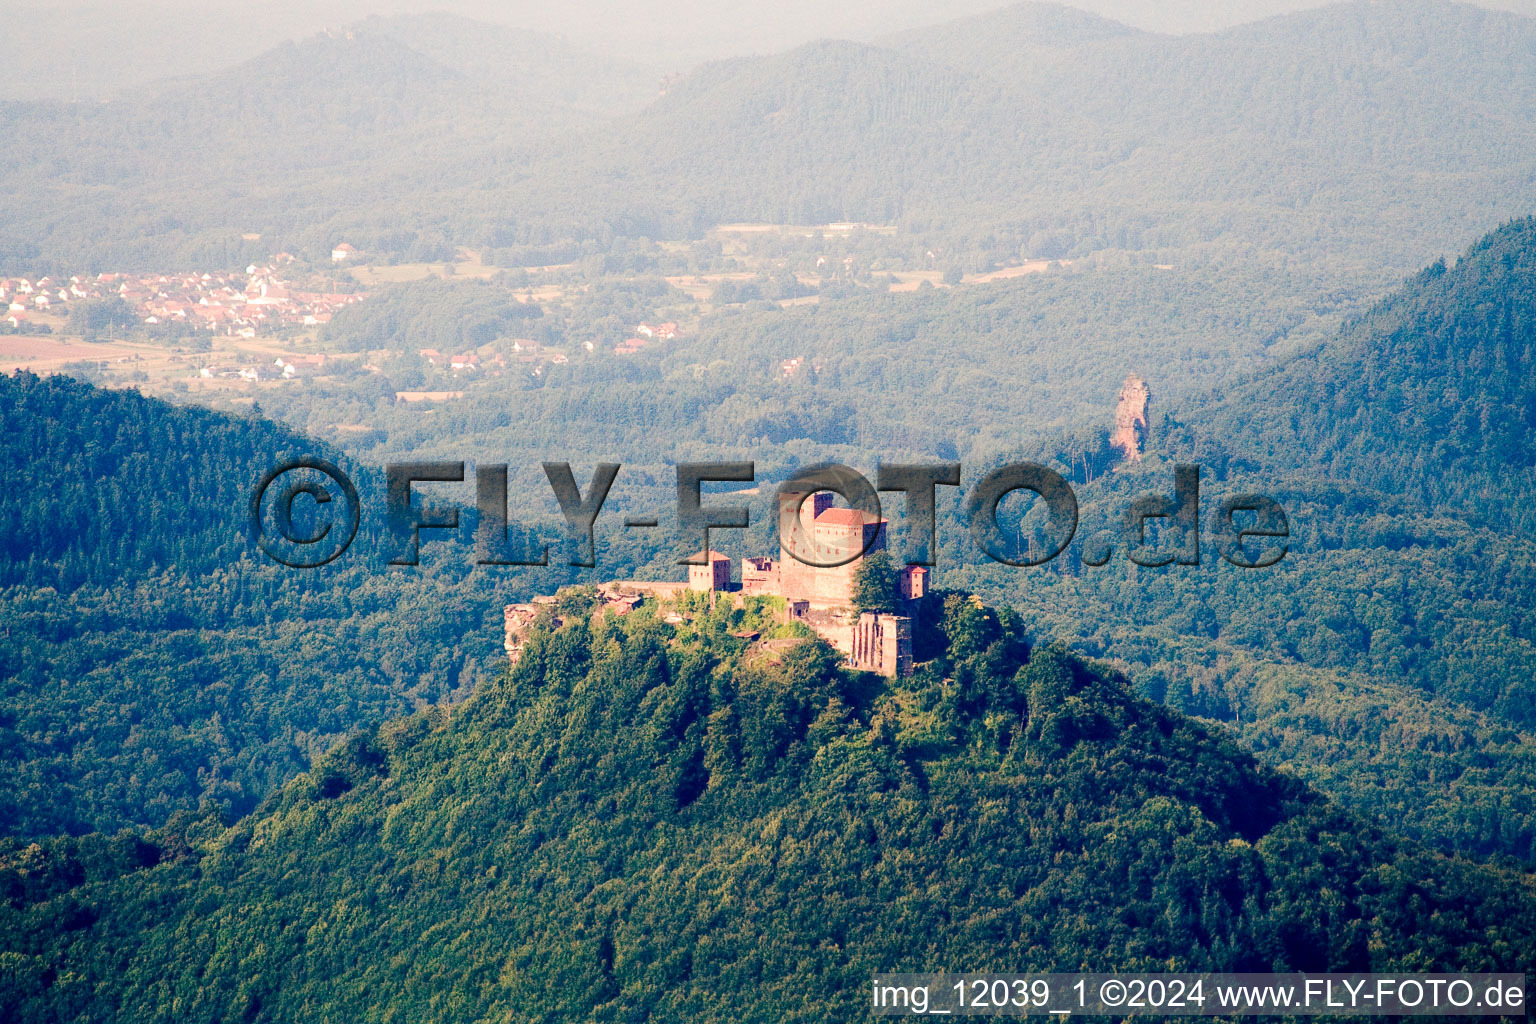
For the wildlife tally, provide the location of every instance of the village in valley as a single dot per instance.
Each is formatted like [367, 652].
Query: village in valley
[137, 322]
[259, 301]
[212, 331]
[224, 328]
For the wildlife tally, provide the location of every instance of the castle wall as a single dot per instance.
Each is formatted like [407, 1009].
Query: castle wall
[759, 576]
[881, 643]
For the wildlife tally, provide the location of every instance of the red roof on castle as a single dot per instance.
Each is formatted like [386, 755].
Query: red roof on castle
[712, 556]
[846, 517]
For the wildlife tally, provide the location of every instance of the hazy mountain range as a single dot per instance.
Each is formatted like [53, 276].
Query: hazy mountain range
[90, 50]
[1366, 131]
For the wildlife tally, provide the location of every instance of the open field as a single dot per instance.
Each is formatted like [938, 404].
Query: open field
[1004, 273]
[43, 354]
[699, 286]
[807, 230]
[468, 265]
[403, 273]
[427, 396]
[911, 280]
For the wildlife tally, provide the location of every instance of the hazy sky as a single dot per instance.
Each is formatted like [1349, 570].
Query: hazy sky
[82, 49]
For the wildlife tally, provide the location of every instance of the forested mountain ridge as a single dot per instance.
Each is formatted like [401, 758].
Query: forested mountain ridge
[1431, 396]
[657, 819]
[1373, 82]
[191, 164]
[1130, 141]
[529, 68]
[95, 497]
[1402, 618]
[1026, 44]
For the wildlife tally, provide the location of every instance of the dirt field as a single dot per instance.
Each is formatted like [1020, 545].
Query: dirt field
[427, 396]
[42, 354]
[1032, 267]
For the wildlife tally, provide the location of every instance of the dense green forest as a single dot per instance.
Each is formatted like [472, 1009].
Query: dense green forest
[154, 662]
[888, 374]
[1430, 397]
[1401, 453]
[1404, 584]
[644, 820]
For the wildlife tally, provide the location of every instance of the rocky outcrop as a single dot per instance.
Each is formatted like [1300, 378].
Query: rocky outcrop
[1131, 418]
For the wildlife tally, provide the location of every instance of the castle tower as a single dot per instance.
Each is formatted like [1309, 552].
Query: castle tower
[714, 574]
[796, 579]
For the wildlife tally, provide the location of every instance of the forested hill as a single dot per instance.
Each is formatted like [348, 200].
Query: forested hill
[155, 665]
[541, 72]
[1430, 397]
[336, 121]
[1370, 83]
[1390, 656]
[829, 131]
[104, 485]
[654, 821]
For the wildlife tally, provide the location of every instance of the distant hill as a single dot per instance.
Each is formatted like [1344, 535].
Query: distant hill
[1020, 43]
[1431, 396]
[649, 820]
[1363, 134]
[1421, 83]
[530, 68]
[175, 171]
[341, 80]
[829, 131]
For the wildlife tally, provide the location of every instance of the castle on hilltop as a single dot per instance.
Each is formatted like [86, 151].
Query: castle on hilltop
[820, 597]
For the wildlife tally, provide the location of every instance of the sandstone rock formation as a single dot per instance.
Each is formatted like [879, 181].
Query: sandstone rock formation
[1131, 422]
